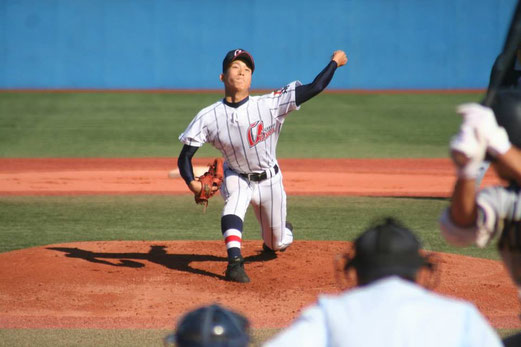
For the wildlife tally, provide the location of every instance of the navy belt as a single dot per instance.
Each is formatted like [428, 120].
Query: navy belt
[261, 176]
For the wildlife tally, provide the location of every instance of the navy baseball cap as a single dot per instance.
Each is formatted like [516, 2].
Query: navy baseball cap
[211, 326]
[238, 54]
[387, 249]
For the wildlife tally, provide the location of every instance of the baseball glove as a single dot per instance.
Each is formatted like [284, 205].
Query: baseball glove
[211, 181]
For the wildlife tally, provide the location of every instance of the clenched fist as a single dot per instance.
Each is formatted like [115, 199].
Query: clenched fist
[339, 57]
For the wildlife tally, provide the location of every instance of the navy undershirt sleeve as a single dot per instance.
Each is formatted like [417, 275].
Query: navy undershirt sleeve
[184, 163]
[305, 92]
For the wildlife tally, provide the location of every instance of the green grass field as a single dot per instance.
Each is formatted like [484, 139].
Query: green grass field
[147, 125]
[34, 221]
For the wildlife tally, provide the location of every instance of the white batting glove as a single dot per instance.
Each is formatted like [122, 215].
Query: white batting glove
[483, 120]
[467, 151]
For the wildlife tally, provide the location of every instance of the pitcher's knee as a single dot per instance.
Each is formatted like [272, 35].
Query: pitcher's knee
[277, 239]
[278, 246]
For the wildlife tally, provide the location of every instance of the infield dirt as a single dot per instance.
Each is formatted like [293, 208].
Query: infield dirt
[149, 284]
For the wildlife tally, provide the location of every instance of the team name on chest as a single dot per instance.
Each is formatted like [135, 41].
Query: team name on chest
[257, 133]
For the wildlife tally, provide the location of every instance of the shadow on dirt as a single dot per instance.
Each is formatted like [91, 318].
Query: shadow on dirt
[157, 254]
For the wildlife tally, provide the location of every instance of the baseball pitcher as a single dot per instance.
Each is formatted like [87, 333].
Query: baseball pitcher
[245, 129]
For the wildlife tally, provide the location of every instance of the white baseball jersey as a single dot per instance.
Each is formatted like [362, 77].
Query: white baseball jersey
[495, 204]
[498, 207]
[246, 136]
[390, 312]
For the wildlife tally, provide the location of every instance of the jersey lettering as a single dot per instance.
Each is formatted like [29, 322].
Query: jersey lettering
[257, 133]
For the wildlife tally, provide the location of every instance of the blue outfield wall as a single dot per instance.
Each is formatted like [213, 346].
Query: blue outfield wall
[391, 44]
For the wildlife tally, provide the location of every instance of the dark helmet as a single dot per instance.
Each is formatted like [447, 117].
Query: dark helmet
[507, 109]
[211, 326]
[387, 249]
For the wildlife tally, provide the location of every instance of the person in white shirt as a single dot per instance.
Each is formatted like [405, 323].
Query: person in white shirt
[388, 308]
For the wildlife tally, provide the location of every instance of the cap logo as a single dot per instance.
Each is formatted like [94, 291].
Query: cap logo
[237, 52]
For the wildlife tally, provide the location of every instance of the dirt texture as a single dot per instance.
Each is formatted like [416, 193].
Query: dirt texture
[367, 177]
[150, 284]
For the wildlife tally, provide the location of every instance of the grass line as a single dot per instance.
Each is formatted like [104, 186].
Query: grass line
[38, 220]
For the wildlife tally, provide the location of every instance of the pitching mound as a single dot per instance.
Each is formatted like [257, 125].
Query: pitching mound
[150, 284]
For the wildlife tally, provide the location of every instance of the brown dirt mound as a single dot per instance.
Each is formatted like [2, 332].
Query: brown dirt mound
[150, 284]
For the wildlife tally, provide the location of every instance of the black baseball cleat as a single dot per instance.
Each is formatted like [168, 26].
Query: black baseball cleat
[265, 247]
[235, 271]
